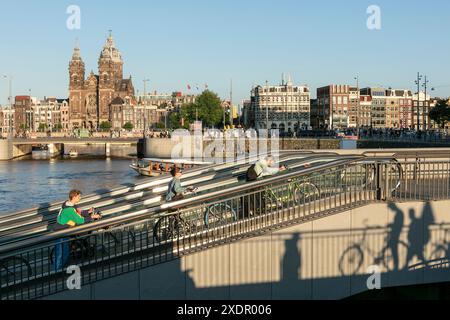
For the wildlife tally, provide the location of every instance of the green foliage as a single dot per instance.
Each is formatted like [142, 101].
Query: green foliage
[207, 107]
[128, 126]
[160, 125]
[175, 121]
[105, 126]
[210, 110]
[440, 113]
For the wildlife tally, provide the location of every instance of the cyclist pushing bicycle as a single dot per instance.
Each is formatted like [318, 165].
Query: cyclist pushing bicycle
[68, 217]
[175, 191]
[173, 225]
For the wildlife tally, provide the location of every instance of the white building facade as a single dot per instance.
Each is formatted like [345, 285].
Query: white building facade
[285, 107]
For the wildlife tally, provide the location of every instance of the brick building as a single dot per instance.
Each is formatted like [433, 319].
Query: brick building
[90, 98]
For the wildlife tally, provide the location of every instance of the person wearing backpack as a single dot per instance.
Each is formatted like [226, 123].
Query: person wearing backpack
[264, 167]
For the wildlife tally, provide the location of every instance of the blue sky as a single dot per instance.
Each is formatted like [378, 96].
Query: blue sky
[176, 42]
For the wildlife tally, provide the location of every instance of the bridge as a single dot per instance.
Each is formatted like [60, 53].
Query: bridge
[313, 232]
[14, 148]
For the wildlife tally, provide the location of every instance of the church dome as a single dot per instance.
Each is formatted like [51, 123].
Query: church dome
[110, 52]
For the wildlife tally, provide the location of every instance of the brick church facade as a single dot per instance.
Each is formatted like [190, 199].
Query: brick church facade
[90, 99]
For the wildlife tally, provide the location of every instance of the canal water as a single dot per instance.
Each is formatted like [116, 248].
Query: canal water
[26, 183]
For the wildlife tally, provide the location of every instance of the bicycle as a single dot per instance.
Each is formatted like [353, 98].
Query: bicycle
[298, 191]
[101, 242]
[358, 175]
[15, 266]
[354, 255]
[441, 251]
[395, 174]
[218, 215]
[175, 226]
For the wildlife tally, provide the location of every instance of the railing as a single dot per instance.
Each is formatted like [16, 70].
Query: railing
[424, 138]
[423, 180]
[206, 221]
[30, 223]
[175, 229]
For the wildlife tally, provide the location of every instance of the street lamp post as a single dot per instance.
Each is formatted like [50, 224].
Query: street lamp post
[425, 107]
[145, 104]
[419, 78]
[224, 116]
[357, 105]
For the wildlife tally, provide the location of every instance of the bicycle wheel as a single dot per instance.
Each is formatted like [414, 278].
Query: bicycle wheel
[164, 229]
[16, 266]
[351, 261]
[81, 249]
[52, 256]
[304, 192]
[439, 254]
[218, 215]
[388, 259]
[395, 175]
[108, 242]
[270, 201]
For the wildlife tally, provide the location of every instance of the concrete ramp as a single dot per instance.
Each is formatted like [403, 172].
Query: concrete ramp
[328, 258]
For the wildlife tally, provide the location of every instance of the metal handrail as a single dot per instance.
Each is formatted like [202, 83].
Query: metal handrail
[145, 184]
[143, 214]
[143, 246]
[441, 153]
[45, 217]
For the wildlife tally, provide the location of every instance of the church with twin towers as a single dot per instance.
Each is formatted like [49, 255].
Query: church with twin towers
[90, 98]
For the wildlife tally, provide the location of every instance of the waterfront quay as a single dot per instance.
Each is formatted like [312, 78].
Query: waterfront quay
[109, 147]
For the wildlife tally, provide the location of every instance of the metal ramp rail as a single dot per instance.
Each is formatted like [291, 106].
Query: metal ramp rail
[154, 236]
[32, 223]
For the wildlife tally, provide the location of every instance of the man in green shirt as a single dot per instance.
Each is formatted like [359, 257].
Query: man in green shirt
[68, 217]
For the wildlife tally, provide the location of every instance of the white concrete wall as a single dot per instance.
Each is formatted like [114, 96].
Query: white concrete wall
[6, 151]
[299, 262]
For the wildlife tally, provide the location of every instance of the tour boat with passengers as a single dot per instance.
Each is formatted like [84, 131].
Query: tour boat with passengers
[152, 167]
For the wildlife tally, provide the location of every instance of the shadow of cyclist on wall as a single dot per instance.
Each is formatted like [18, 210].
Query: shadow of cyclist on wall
[419, 226]
[393, 237]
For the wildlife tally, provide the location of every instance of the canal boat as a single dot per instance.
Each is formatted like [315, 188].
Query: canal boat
[157, 167]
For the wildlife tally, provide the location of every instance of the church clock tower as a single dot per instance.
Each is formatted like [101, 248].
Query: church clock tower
[76, 88]
[110, 68]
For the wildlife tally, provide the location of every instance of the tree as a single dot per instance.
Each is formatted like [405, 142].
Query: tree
[128, 126]
[188, 112]
[105, 126]
[160, 125]
[440, 113]
[207, 108]
[174, 120]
